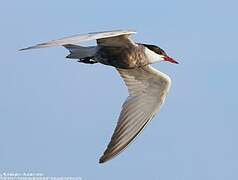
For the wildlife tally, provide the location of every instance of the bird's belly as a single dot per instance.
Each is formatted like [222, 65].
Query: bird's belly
[120, 57]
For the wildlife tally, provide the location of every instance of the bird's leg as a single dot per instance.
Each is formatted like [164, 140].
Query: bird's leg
[87, 60]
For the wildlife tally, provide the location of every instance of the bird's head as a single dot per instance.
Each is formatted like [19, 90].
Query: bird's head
[160, 54]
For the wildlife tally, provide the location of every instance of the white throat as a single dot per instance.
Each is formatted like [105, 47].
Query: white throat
[152, 56]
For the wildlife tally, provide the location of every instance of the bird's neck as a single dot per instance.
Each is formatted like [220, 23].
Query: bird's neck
[152, 56]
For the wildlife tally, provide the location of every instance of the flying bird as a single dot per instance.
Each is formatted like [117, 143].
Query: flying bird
[147, 86]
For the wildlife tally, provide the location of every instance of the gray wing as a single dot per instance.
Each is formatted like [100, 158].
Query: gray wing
[147, 91]
[81, 38]
[117, 41]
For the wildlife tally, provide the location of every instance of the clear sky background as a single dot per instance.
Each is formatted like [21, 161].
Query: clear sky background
[57, 115]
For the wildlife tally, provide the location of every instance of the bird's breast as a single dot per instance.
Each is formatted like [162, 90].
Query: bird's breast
[122, 57]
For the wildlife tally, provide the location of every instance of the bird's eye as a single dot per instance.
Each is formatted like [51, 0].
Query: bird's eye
[161, 51]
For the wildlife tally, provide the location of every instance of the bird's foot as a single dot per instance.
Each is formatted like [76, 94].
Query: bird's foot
[87, 60]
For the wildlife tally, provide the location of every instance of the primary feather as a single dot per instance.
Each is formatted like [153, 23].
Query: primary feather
[147, 91]
[81, 38]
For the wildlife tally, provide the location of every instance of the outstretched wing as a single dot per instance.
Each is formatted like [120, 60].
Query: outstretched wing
[82, 38]
[147, 91]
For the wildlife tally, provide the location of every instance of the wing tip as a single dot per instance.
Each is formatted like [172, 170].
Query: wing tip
[33, 47]
[23, 49]
[104, 158]
[38, 46]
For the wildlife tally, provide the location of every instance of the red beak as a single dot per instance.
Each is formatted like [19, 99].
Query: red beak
[167, 58]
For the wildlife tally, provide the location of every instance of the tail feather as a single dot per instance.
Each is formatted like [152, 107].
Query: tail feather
[80, 52]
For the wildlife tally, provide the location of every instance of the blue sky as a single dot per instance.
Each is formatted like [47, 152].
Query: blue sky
[57, 116]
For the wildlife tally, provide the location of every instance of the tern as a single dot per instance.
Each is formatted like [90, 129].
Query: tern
[147, 86]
